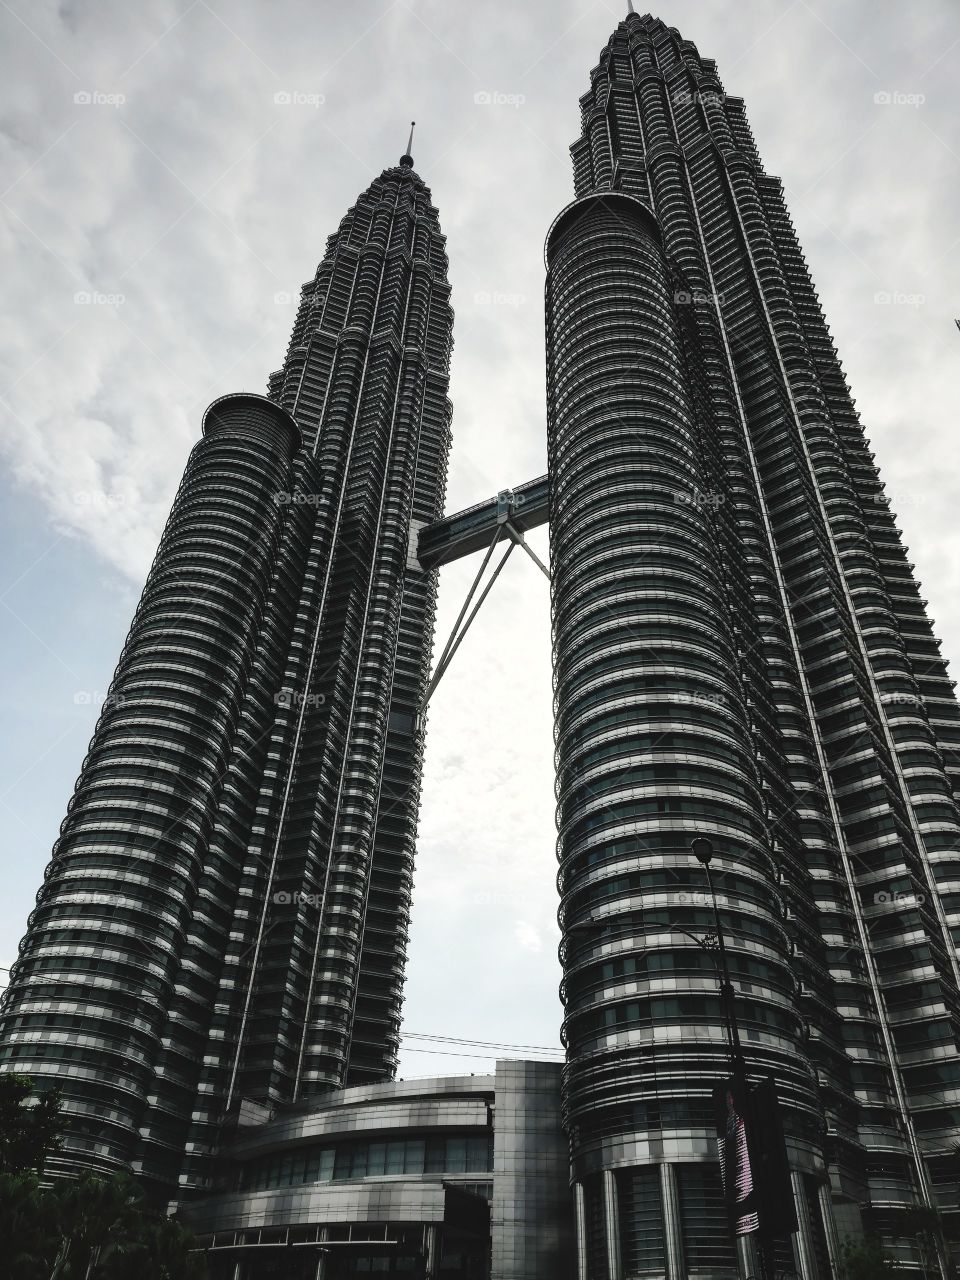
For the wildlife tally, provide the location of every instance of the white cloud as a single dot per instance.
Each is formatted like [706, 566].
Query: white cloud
[200, 198]
[527, 936]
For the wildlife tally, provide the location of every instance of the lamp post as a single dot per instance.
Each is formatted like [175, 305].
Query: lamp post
[702, 850]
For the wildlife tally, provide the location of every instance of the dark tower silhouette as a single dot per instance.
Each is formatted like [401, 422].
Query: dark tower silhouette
[741, 653]
[225, 913]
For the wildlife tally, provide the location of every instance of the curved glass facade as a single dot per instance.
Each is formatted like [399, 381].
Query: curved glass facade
[464, 1176]
[225, 914]
[655, 730]
[369, 1158]
[92, 995]
[740, 653]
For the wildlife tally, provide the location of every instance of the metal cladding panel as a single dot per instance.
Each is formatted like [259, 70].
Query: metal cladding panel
[825, 709]
[130, 877]
[236, 866]
[355, 1203]
[532, 1210]
[653, 723]
[422, 1115]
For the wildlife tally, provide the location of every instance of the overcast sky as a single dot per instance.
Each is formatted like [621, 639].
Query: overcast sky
[159, 206]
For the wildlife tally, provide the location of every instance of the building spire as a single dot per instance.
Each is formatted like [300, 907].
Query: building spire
[630, 8]
[407, 158]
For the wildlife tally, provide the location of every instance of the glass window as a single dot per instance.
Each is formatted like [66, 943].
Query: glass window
[343, 1166]
[478, 1155]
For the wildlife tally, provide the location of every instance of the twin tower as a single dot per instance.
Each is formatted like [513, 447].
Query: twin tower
[740, 653]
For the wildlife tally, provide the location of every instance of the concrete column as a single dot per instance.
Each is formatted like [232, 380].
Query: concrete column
[580, 1212]
[431, 1240]
[803, 1239]
[611, 1224]
[748, 1258]
[672, 1230]
[825, 1201]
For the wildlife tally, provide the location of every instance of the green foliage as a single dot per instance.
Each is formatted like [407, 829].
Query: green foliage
[866, 1260]
[91, 1228]
[88, 1228]
[31, 1126]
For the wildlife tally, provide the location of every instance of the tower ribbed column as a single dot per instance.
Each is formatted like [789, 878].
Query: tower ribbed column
[233, 880]
[122, 887]
[313, 998]
[653, 729]
[853, 724]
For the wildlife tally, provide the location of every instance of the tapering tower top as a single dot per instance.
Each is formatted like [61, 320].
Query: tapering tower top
[406, 160]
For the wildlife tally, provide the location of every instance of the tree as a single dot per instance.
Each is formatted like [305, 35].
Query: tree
[31, 1125]
[931, 1231]
[91, 1228]
[866, 1259]
[23, 1244]
[85, 1217]
[163, 1250]
[86, 1228]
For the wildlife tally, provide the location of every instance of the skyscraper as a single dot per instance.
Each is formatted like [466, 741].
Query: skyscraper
[225, 913]
[740, 653]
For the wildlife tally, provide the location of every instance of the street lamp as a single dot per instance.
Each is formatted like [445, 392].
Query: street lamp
[770, 1154]
[702, 850]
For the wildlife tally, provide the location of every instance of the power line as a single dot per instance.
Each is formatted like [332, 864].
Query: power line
[480, 1044]
[483, 1044]
[447, 1053]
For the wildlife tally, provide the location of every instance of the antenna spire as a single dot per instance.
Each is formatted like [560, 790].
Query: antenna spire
[407, 158]
[630, 7]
